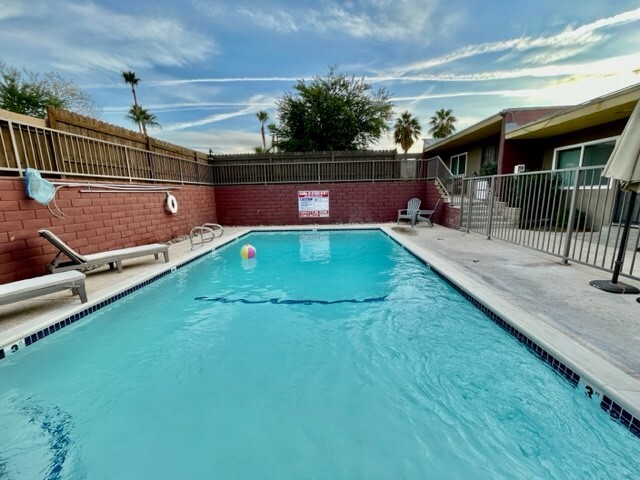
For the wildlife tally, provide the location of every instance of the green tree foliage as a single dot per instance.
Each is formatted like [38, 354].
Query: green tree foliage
[407, 129]
[30, 94]
[143, 118]
[442, 123]
[334, 112]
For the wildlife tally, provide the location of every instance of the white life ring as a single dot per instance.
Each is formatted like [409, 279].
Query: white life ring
[172, 204]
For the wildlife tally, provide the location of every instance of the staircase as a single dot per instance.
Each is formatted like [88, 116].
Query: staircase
[503, 216]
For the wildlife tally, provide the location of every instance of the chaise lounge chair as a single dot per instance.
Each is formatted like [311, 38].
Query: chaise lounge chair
[34, 287]
[114, 257]
[425, 215]
[409, 213]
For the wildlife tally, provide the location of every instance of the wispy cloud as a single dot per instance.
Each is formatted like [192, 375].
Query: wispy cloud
[225, 142]
[278, 21]
[569, 37]
[12, 8]
[600, 68]
[254, 104]
[380, 19]
[168, 83]
[85, 37]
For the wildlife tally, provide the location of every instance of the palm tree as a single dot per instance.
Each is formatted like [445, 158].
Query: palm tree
[263, 117]
[442, 123]
[143, 118]
[406, 130]
[131, 79]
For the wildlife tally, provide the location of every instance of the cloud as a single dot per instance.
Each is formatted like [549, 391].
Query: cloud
[569, 37]
[372, 19]
[222, 142]
[12, 8]
[168, 83]
[277, 21]
[253, 105]
[84, 37]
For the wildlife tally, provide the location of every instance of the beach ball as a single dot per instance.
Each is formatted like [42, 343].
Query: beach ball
[248, 251]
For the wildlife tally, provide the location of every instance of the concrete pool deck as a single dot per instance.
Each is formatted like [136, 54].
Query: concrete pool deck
[593, 332]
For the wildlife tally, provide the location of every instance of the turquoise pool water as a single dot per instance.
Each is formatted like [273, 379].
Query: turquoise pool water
[333, 355]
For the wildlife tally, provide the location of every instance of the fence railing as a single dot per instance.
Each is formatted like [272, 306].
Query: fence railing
[300, 170]
[575, 214]
[56, 152]
[60, 153]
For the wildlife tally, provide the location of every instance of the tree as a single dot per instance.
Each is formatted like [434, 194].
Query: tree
[333, 112]
[442, 123]
[130, 78]
[29, 94]
[263, 117]
[406, 130]
[143, 118]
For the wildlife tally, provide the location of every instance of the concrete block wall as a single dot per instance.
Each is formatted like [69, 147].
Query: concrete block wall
[93, 222]
[361, 202]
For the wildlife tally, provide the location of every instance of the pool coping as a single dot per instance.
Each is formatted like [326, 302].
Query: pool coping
[619, 396]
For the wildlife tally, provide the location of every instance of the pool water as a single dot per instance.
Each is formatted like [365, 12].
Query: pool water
[331, 355]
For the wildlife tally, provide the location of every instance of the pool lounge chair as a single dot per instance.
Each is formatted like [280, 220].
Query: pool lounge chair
[34, 287]
[409, 213]
[114, 257]
[425, 215]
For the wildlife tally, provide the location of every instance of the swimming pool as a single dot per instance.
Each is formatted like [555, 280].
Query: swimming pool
[334, 354]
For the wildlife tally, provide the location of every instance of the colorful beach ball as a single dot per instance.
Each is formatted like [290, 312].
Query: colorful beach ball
[248, 251]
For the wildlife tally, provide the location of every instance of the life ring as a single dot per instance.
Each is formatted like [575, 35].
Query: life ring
[172, 204]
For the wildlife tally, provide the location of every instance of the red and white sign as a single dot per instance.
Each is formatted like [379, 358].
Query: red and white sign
[313, 203]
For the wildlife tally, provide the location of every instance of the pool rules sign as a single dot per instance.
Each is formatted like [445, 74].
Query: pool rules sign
[313, 203]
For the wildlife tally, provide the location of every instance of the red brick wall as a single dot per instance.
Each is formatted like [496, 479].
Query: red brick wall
[97, 222]
[445, 215]
[94, 222]
[364, 202]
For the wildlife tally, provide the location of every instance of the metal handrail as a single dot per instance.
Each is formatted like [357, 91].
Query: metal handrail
[450, 183]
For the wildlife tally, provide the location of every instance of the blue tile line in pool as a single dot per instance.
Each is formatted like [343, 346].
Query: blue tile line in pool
[278, 301]
[616, 412]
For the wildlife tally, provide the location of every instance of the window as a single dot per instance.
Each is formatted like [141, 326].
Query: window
[458, 164]
[585, 155]
[489, 155]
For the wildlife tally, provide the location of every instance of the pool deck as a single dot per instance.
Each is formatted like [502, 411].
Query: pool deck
[594, 332]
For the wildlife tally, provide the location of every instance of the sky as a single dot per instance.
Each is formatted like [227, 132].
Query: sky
[208, 66]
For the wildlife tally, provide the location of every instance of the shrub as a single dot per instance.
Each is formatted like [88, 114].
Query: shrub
[487, 169]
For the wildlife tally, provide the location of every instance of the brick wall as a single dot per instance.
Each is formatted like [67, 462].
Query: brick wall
[97, 222]
[446, 215]
[94, 222]
[365, 202]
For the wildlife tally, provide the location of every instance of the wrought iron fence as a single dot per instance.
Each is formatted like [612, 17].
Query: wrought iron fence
[575, 214]
[300, 169]
[60, 153]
